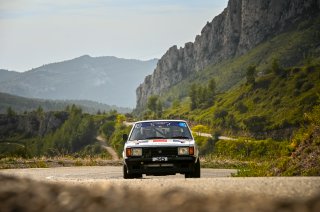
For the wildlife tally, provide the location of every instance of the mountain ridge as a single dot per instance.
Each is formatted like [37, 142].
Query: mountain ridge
[7, 75]
[22, 104]
[106, 79]
[239, 28]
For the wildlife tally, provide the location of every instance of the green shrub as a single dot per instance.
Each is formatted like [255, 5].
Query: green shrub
[251, 149]
[241, 107]
[12, 150]
[299, 83]
[256, 123]
[220, 114]
[253, 169]
[307, 86]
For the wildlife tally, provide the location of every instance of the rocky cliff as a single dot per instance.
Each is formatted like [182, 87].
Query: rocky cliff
[240, 27]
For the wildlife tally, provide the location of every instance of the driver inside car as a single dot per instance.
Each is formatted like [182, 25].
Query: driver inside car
[148, 132]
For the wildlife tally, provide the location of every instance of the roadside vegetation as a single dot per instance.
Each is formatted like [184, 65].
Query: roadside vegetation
[43, 139]
[297, 156]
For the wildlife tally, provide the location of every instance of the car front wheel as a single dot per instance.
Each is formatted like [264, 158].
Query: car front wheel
[196, 171]
[126, 175]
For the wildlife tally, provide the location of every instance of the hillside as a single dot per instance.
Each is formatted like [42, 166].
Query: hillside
[109, 80]
[22, 104]
[275, 105]
[295, 47]
[272, 107]
[246, 32]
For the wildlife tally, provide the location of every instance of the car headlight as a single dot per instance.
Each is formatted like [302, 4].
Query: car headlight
[186, 150]
[133, 152]
[136, 151]
[183, 150]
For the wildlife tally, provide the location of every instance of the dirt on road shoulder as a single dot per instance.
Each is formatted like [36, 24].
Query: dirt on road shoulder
[109, 149]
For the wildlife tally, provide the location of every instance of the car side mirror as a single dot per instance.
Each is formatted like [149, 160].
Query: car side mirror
[124, 137]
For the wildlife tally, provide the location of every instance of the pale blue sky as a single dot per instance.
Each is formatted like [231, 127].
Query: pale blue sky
[37, 32]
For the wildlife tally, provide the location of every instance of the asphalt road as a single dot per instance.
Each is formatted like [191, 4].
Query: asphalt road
[217, 181]
[97, 173]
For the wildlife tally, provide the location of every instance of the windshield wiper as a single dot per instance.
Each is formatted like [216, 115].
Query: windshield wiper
[181, 137]
[154, 137]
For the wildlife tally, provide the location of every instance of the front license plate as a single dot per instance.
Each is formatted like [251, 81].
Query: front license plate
[159, 159]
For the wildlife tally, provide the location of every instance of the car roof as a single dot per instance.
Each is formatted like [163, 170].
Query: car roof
[160, 120]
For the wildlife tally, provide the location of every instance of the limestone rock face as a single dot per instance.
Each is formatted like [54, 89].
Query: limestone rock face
[240, 27]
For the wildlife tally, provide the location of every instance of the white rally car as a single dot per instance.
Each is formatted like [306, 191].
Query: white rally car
[160, 147]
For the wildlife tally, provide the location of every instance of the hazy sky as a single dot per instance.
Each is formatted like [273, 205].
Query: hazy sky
[37, 32]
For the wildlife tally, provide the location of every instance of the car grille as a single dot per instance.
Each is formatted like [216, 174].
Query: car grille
[156, 151]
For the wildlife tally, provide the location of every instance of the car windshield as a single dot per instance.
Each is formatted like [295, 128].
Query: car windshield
[160, 130]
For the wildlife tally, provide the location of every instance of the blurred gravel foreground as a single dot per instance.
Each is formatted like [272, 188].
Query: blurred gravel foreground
[20, 194]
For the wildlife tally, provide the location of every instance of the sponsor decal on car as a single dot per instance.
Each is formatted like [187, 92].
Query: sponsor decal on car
[178, 141]
[160, 140]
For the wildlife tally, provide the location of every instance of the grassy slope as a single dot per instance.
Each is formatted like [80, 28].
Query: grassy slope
[280, 101]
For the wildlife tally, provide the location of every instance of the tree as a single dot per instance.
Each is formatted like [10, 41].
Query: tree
[108, 128]
[39, 110]
[276, 68]
[10, 112]
[176, 103]
[154, 105]
[159, 108]
[211, 91]
[202, 96]
[251, 74]
[212, 86]
[193, 96]
[120, 118]
[76, 132]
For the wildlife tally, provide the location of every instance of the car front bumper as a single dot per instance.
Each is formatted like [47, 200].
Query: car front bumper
[173, 165]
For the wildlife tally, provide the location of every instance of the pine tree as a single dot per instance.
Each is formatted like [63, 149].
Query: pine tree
[10, 112]
[193, 96]
[276, 68]
[152, 103]
[251, 74]
[159, 108]
[211, 91]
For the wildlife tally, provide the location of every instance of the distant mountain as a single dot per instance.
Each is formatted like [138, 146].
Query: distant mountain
[109, 80]
[22, 104]
[6, 75]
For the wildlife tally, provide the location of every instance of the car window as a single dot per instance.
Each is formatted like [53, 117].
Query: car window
[161, 129]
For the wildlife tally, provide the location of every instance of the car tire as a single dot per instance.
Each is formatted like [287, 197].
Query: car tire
[126, 175]
[196, 171]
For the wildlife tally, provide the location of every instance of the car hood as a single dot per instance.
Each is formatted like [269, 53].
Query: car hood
[161, 142]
